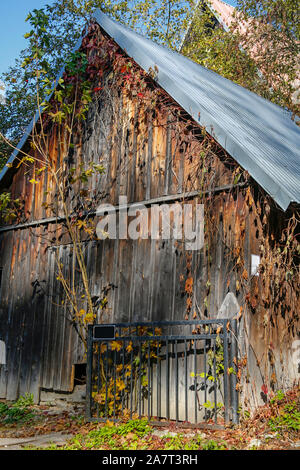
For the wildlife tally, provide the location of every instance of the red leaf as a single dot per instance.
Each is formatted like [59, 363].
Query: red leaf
[264, 389]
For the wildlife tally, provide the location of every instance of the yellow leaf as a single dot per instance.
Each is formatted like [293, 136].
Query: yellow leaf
[245, 274]
[81, 223]
[116, 345]
[89, 318]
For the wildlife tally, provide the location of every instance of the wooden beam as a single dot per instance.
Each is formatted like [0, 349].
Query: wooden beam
[149, 202]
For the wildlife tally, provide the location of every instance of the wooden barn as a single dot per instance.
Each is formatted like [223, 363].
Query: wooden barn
[162, 130]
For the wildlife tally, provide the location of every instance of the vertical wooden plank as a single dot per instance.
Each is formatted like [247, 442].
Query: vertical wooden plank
[50, 308]
[46, 319]
[152, 277]
[38, 303]
[28, 311]
[15, 325]
[62, 367]
[131, 315]
[133, 160]
[149, 159]
[162, 305]
[69, 333]
[168, 159]
[180, 276]
[125, 281]
[6, 302]
[141, 280]
[55, 364]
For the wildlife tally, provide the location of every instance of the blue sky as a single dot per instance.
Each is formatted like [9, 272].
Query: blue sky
[13, 27]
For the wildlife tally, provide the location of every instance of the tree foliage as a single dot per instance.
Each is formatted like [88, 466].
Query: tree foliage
[163, 21]
[272, 39]
[208, 44]
[259, 56]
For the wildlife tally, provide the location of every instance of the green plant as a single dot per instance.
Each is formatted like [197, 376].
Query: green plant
[213, 445]
[278, 397]
[211, 405]
[175, 443]
[109, 435]
[139, 426]
[25, 401]
[9, 208]
[18, 412]
[288, 419]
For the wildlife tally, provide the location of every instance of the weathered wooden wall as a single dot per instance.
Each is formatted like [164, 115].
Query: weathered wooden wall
[146, 155]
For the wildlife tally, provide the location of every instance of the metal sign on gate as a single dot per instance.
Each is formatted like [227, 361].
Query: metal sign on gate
[184, 371]
[104, 332]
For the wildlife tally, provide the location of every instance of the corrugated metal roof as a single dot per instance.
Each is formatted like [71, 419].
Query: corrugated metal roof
[258, 134]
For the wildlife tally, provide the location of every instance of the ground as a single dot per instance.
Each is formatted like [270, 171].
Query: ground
[275, 426]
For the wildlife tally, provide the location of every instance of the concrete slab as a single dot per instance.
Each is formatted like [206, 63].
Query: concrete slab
[36, 441]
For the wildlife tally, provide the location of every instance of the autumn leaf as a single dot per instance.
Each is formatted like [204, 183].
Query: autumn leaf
[81, 224]
[240, 313]
[189, 285]
[116, 345]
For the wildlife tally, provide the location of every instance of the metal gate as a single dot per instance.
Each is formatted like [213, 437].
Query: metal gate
[182, 371]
